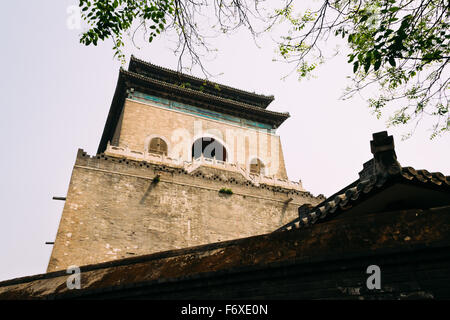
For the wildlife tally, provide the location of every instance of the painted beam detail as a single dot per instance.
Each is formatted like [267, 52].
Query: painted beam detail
[173, 105]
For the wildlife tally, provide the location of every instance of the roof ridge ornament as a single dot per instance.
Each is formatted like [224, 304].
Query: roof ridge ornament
[384, 157]
[384, 162]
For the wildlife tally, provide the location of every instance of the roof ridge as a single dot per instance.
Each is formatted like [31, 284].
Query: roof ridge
[380, 171]
[262, 96]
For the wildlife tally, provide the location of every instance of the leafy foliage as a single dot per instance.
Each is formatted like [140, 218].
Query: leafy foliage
[109, 19]
[401, 47]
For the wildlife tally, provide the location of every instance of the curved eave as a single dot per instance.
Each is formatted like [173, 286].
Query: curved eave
[262, 101]
[113, 114]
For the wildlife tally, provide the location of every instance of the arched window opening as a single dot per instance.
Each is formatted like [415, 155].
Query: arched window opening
[257, 166]
[158, 146]
[210, 148]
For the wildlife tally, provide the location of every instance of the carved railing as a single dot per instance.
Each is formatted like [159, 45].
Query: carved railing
[141, 156]
[198, 162]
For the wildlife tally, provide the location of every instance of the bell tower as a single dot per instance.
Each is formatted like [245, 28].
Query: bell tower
[181, 162]
[162, 112]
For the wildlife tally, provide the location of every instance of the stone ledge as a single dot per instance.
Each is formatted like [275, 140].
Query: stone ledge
[205, 172]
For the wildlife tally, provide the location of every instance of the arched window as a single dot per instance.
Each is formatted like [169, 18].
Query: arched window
[257, 166]
[210, 148]
[158, 146]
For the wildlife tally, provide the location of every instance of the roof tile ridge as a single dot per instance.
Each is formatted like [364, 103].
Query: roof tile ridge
[270, 97]
[423, 175]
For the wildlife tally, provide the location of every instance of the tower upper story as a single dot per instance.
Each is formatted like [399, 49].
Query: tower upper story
[163, 115]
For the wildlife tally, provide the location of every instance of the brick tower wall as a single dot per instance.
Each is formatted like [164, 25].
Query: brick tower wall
[114, 209]
[140, 121]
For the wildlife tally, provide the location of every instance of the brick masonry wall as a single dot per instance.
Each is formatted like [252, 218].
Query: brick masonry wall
[140, 122]
[114, 210]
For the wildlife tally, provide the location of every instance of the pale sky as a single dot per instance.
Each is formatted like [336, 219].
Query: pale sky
[56, 94]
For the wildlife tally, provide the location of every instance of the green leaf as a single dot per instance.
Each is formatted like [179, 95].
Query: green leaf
[392, 61]
[355, 66]
[350, 38]
[377, 65]
[351, 58]
[363, 18]
[367, 65]
[394, 9]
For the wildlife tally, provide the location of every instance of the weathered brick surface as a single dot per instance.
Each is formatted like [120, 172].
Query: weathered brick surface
[115, 210]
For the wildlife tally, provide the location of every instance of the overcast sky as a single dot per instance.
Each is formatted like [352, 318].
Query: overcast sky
[55, 97]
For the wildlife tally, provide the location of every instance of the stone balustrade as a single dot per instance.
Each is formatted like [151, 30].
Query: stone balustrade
[190, 166]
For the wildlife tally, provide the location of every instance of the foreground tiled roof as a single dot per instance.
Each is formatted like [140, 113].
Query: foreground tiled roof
[319, 250]
[379, 173]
